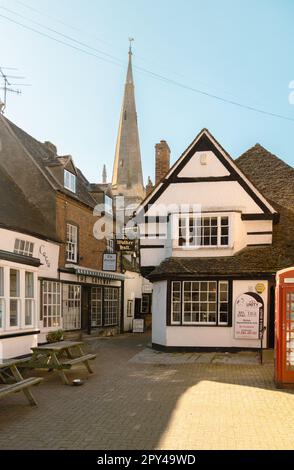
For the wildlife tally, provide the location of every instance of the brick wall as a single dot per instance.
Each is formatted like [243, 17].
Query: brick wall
[90, 250]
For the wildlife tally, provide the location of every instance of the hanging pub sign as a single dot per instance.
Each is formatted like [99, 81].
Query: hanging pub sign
[249, 312]
[125, 244]
[109, 261]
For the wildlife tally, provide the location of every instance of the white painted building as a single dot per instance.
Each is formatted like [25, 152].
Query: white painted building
[206, 243]
[24, 260]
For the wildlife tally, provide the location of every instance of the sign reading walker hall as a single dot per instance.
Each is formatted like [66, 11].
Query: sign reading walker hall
[125, 245]
[248, 316]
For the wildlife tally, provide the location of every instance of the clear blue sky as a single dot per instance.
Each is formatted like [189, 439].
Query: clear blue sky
[239, 50]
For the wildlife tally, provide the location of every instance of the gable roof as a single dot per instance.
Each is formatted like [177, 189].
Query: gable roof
[204, 142]
[275, 179]
[45, 159]
[17, 213]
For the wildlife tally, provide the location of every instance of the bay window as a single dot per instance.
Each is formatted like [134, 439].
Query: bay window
[29, 298]
[200, 303]
[18, 298]
[196, 231]
[14, 312]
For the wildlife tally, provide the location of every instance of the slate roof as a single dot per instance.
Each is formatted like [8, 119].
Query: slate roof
[275, 180]
[45, 159]
[17, 211]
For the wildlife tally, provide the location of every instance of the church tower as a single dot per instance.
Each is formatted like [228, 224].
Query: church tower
[127, 178]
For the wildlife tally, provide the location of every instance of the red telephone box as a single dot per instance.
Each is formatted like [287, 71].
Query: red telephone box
[284, 362]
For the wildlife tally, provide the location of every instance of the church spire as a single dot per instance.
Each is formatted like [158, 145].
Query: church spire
[127, 176]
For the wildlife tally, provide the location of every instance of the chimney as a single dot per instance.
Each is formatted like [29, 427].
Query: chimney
[51, 147]
[162, 160]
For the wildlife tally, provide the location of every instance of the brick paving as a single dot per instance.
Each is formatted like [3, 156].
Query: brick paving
[131, 404]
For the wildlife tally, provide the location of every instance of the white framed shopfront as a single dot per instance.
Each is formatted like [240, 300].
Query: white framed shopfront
[166, 335]
[62, 302]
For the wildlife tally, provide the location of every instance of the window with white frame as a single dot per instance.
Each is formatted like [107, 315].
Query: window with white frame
[195, 231]
[96, 306]
[176, 300]
[109, 245]
[111, 306]
[71, 243]
[29, 298]
[51, 308]
[14, 301]
[70, 181]
[200, 303]
[223, 302]
[2, 298]
[108, 205]
[23, 247]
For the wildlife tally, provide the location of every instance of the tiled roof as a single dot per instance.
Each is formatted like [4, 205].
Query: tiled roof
[275, 180]
[45, 159]
[18, 213]
[273, 177]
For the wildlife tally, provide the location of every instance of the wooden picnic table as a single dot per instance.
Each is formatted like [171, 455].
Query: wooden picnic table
[14, 382]
[60, 356]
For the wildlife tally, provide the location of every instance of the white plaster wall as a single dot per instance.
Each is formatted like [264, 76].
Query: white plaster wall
[16, 347]
[195, 169]
[47, 252]
[133, 289]
[218, 336]
[159, 313]
[221, 195]
[153, 257]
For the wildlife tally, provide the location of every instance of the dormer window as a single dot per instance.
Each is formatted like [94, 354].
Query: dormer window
[70, 181]
[195, 231]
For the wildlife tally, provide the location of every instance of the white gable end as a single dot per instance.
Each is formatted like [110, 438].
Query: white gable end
[220, 195]
[203, 165]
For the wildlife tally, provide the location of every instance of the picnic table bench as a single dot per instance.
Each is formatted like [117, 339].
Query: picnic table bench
[51, 357]
[14, 382]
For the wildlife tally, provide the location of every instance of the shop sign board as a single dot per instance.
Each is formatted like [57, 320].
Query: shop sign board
[249, 312]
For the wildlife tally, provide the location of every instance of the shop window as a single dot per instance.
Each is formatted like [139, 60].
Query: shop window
[71, 307]
[200, 303]
[203, 231]
[223, 303]
[176, 297]
[96, 306]
[111, 306]
[51, 304]
[23, 247]
[71, 243]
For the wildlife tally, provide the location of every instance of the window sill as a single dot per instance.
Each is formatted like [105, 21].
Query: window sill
[197, 325]
[190, 248]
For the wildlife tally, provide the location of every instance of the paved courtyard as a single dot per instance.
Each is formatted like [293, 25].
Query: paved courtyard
[140, 399]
